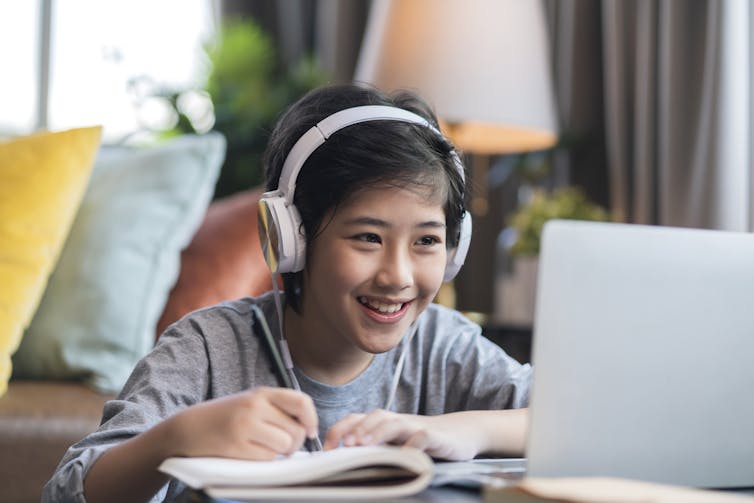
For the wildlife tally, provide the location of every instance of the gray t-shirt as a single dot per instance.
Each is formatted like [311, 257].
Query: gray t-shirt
[449, 366]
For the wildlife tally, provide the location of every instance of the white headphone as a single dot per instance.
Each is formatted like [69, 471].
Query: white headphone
[280, 229]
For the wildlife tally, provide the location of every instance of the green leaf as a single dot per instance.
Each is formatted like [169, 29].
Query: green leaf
[567, 203]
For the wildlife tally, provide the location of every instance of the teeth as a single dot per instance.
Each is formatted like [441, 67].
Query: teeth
[381, 306]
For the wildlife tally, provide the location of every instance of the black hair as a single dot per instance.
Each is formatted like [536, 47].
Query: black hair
[360, 157]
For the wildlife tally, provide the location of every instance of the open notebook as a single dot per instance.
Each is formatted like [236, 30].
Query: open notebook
[347, 473]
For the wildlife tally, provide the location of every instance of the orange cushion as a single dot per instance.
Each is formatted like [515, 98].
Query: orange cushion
[223, 261]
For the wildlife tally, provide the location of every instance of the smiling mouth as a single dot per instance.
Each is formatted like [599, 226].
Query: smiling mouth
[384, 308]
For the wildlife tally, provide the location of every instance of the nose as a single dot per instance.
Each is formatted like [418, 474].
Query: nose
[396, 270]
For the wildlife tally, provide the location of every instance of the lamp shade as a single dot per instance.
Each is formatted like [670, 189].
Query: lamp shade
[483, 64]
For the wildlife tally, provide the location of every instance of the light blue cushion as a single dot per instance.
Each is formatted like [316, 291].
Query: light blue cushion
[98, 314]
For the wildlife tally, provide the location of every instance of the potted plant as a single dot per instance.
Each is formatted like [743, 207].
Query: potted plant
[518, 249]
[249, 89]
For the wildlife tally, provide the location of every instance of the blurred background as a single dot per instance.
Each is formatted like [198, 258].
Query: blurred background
[594, 109]
[633, 111]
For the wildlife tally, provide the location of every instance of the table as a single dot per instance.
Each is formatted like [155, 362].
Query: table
[446, 494]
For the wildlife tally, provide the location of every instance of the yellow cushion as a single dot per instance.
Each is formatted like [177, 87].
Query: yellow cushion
[42, 181]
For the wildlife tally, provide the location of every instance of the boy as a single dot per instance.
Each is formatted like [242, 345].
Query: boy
[364, 221]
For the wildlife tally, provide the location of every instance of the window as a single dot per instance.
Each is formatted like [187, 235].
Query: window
[19, 49]
[105, 59]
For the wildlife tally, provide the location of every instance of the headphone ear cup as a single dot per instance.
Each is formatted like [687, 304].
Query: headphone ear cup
[299, 240]
[283, 246]
[457, 255]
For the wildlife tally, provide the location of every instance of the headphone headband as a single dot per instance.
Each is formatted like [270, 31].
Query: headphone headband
[322, 131]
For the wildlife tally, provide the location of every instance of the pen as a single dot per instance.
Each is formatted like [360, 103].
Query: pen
[311, 444]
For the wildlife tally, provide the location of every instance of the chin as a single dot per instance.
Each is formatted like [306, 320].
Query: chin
[381, 343]
[377, 349]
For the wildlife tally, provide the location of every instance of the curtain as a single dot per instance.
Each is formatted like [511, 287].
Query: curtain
[576, 50]
[329, 29]
[677, 104]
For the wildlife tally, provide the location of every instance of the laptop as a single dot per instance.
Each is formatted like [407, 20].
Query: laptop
[643, 354]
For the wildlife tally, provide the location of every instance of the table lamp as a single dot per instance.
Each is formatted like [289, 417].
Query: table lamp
[484, 66]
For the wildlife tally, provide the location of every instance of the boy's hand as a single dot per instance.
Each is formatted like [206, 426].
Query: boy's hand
[257, 424]
[447, 437]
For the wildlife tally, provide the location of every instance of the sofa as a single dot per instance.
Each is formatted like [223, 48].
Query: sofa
[206, 252]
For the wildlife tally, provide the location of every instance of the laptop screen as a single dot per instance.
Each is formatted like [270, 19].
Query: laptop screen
[643, 355]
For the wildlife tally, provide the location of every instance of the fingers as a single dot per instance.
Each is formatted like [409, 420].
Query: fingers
[296, 405]
[419, 440]
[282, 419]
[377, 427]
[340, 429]
[439, 436]
[275, 430]
[252, 451]
[257, 424]
[381, 426]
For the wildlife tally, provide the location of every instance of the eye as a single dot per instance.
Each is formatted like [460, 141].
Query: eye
[429, 240]
[368, 237]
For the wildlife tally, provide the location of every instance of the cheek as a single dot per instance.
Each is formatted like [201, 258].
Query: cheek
[338, 267]
[431, 272]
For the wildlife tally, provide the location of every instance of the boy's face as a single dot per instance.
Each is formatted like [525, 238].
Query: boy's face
[373, 268]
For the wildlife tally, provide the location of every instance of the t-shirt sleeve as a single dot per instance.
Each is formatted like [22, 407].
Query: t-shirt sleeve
[470, 371]
[170, 378]
[483, 376]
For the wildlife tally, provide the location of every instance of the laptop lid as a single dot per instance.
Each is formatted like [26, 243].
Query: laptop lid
[643, 355]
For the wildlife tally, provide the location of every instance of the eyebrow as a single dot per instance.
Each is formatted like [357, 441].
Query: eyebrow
[430, 224]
